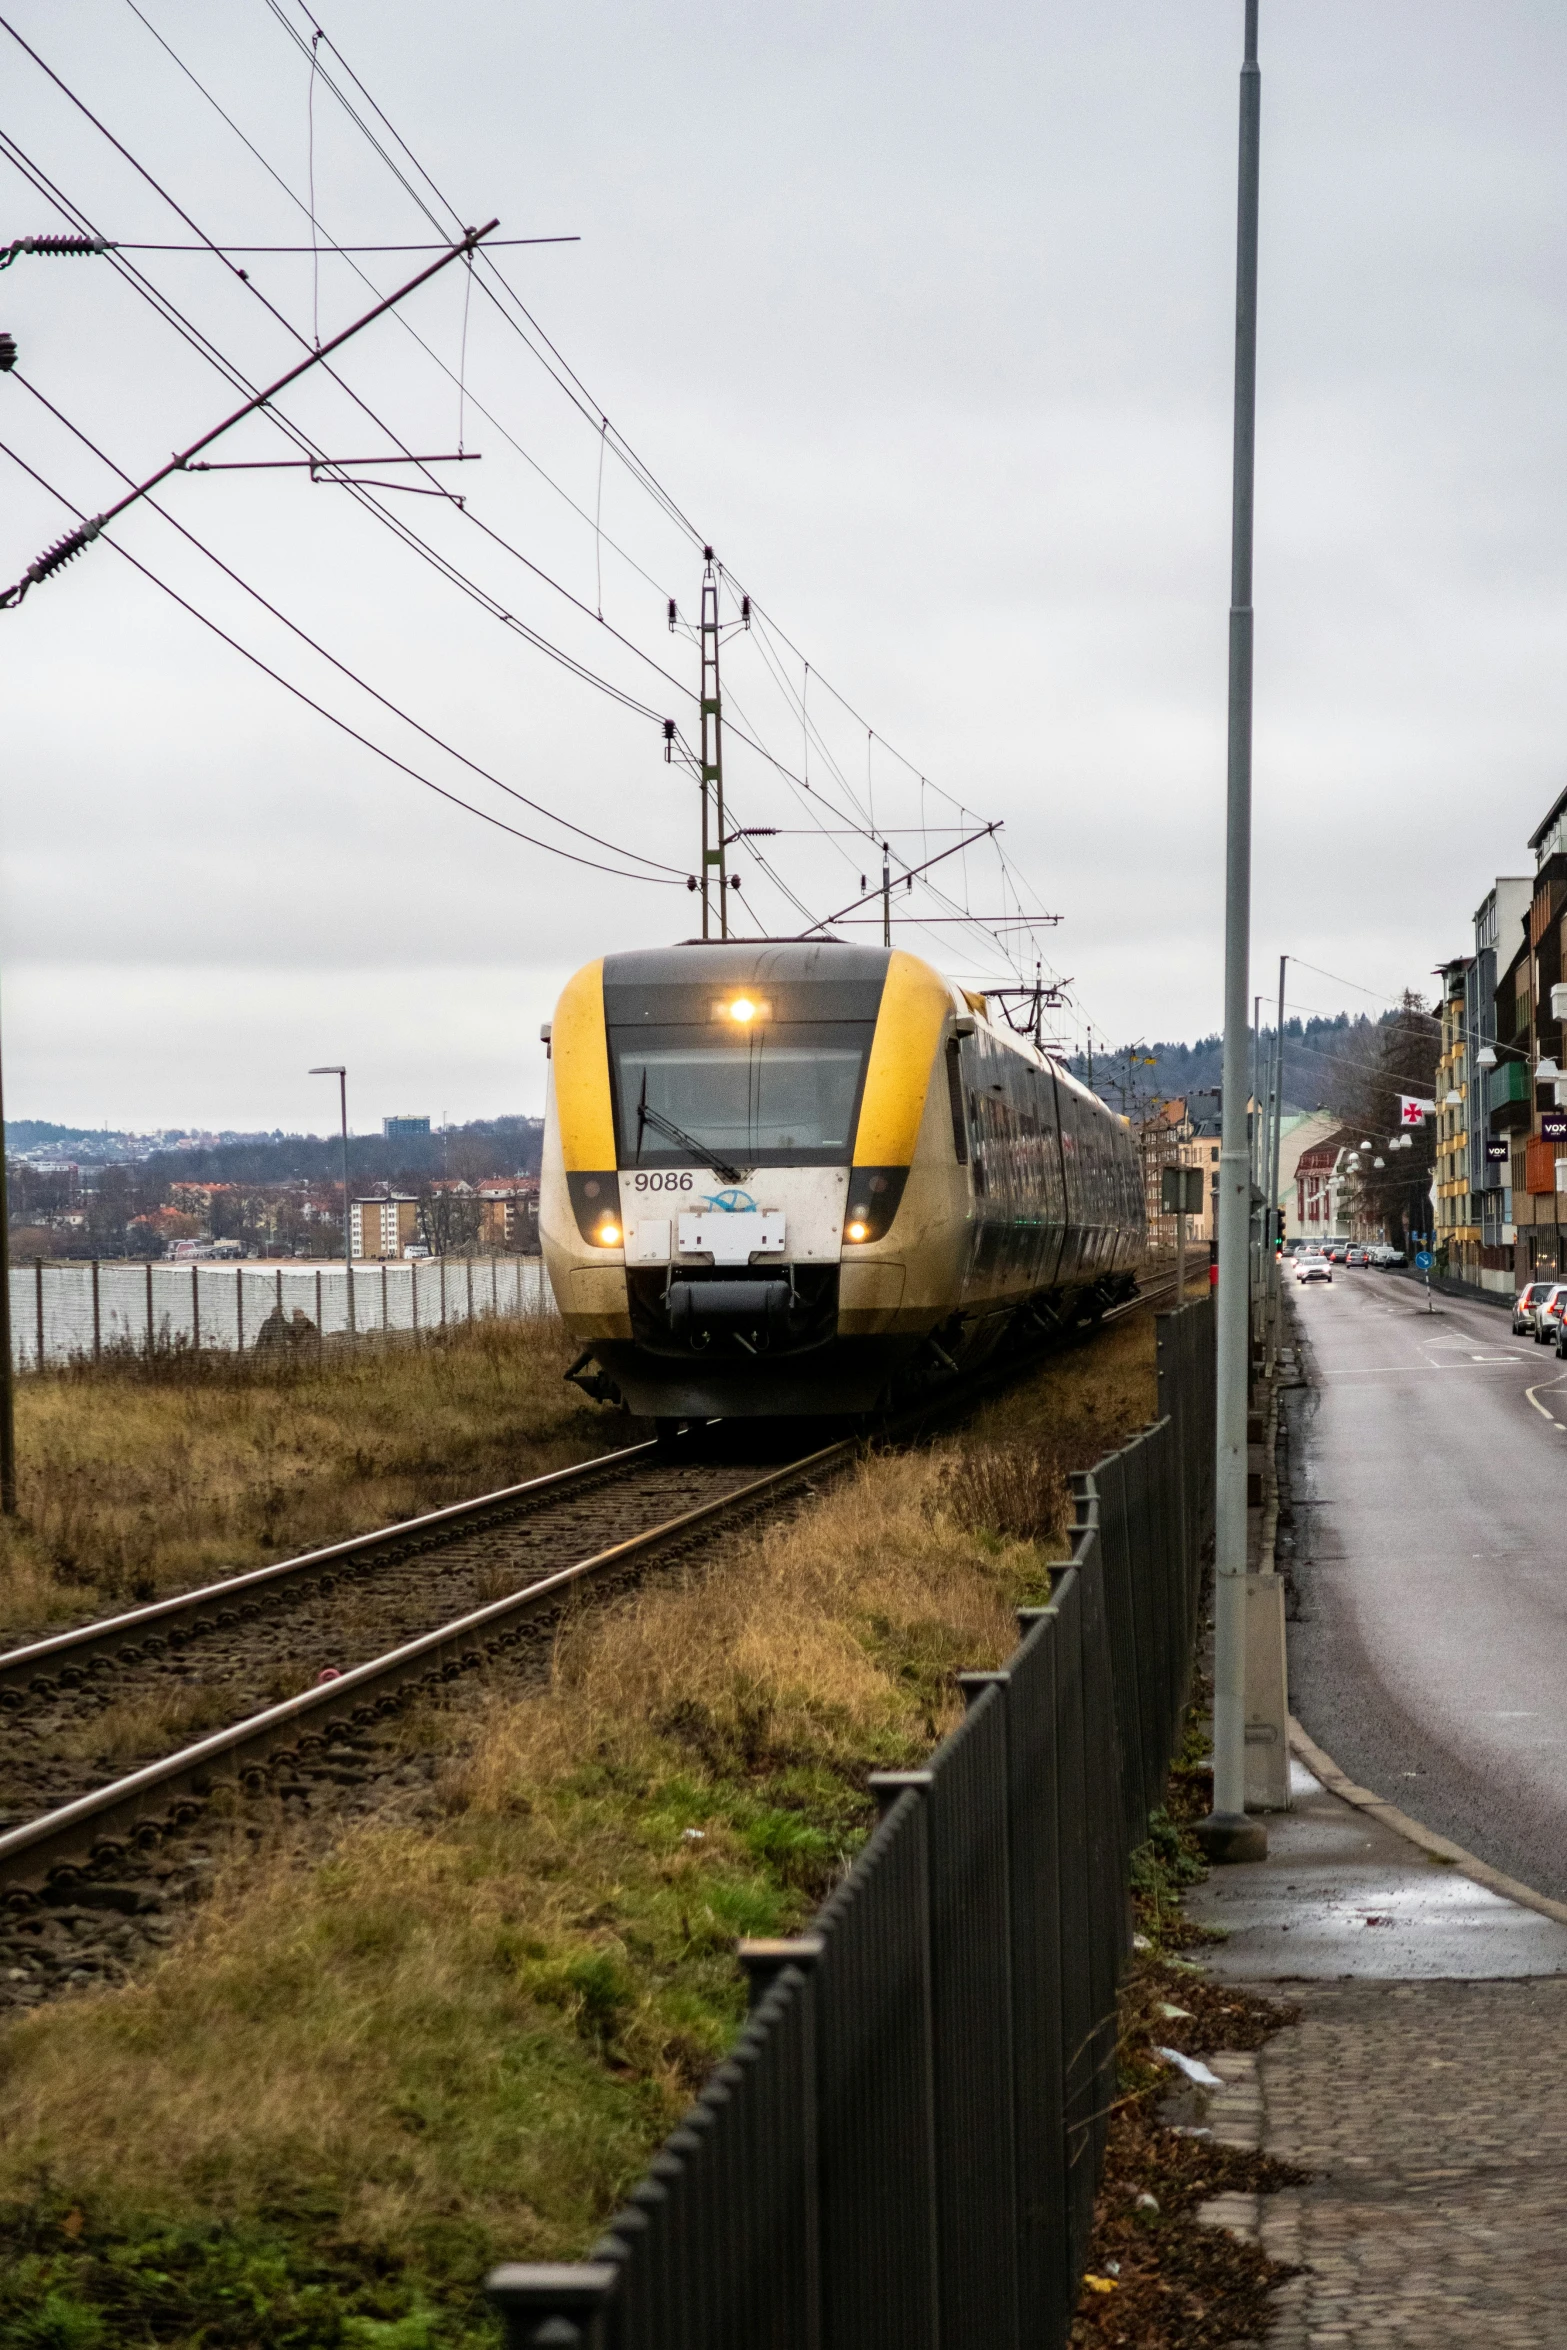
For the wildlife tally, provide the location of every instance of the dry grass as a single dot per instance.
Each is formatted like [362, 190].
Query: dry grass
[136, 1482]
[460, 2039]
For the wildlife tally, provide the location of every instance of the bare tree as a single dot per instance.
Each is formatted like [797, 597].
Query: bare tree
[448, 1220]
[1395, 1195]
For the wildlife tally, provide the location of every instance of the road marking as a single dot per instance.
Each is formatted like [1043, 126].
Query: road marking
[1544, 1387]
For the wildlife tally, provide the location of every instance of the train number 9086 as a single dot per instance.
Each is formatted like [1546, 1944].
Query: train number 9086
[656, 1182]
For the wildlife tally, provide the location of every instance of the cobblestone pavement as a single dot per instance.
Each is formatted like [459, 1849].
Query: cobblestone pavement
[1434, 2117]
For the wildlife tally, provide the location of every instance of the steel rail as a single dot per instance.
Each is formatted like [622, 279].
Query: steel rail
[44, 1665]
[166, 1795]
[58, 1661]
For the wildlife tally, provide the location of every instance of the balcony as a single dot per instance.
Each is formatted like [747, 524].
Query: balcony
[1509, 1096]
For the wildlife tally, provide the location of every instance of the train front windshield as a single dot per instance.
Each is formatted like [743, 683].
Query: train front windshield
[787, 1093]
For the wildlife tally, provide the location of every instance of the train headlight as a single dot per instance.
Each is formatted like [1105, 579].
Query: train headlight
[872, 1203]
[742, 1011]
[607, 1234]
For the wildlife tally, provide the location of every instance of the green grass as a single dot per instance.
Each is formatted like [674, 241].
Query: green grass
[357, 2082]
[136, 1479]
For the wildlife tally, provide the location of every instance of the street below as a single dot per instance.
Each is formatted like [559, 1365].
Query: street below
[1428, 1653]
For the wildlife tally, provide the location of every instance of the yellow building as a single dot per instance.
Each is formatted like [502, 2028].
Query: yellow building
[1457, 1223]
[382, 1228]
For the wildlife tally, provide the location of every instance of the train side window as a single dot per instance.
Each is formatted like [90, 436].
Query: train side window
[955, 1097]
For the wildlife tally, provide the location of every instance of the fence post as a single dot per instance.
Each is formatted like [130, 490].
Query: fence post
[239, 1310]
[495, 1291]
[386, 1319]
[470, 1289]
[38, 1280]
[97, 1332]
[441, 1261]
[280, 1289]
[764, 1962]
[552, 2308]
[151, 1339]
[887, 1787]
[320, 1333]
[413, 1276]
[195, 1311]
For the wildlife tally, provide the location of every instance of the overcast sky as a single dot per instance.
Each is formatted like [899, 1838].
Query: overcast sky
[924, 316]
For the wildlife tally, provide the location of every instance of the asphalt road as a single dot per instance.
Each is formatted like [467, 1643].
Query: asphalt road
[1429, 1476]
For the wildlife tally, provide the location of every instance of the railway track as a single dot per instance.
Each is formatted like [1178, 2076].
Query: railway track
[100, 1857]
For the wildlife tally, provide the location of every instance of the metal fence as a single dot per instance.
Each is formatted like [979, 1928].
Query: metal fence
[75, 1313]
[902, 2150]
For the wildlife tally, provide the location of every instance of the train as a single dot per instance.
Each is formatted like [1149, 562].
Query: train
[809, 1177]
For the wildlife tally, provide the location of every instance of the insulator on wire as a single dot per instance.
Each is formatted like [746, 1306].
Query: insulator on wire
[745, 611]
[669, 740]
[7, 353]
[54, 248]
[62, 552]
[690, 881]
[673, 615]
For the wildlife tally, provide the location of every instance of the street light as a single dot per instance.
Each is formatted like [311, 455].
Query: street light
[1227, 1834]
[338, 1069]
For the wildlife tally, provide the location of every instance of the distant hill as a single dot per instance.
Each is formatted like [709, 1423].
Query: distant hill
[486, 1146]
[1325, 1066]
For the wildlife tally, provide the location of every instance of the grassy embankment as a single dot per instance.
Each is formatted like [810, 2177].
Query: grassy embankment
[135, 1479]
[356, 2082]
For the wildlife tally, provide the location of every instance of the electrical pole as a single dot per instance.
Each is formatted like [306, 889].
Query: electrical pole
[712, 757]
[886, 895]
[1227, 1834]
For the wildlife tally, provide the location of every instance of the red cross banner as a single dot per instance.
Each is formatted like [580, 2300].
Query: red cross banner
[1412, 1112]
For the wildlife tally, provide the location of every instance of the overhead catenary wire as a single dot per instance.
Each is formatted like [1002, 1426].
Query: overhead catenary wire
[343, 668]
[396, 523]
[610, 439]
[372, 505]
[592, 410]
[312, 48]
[531, 840]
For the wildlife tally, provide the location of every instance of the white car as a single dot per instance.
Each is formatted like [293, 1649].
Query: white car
[1533, 1294]
[1313, 1269]
[1548, 1312]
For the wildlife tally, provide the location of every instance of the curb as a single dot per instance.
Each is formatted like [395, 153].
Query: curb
[1426, 1839]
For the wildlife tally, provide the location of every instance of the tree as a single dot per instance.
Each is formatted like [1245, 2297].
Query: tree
[1403, 1061]
[448, 1219]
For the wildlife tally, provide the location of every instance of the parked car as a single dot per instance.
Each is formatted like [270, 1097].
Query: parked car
[1394, 1256]
[1356, 1256]
[1531, 1295]
[1548, 1314]
[1313, 1269]
[1337, 1253]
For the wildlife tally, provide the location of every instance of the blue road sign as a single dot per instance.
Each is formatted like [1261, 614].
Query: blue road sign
[1424, 1260]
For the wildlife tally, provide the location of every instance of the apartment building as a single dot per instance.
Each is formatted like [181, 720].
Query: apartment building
[383, 1228]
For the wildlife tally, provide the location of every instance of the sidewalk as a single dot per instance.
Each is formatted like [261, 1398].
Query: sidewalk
[1422, 2086]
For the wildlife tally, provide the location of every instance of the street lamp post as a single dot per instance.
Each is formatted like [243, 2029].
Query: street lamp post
[338, 1069]
[1227, 1834]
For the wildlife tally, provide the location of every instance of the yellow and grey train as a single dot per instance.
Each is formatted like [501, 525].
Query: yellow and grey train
[804, 1177]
